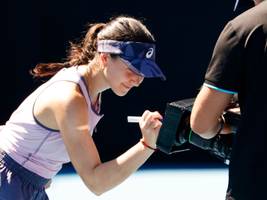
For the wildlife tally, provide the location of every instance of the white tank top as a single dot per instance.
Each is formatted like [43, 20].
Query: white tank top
[31, 144]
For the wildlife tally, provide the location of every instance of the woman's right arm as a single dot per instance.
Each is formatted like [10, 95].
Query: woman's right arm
[72, 119]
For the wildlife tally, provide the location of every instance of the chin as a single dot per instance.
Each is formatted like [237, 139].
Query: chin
[120, 92]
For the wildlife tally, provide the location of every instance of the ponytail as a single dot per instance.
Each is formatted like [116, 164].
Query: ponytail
[78, 54]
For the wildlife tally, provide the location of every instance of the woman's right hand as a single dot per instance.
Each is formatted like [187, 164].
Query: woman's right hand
[150, 125]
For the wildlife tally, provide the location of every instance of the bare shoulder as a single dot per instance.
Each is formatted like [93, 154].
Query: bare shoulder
[67, 94]
[69, 106]
[59, 104]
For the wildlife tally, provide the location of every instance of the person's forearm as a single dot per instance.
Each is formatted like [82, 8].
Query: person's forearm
[109, 174]
[211, 131]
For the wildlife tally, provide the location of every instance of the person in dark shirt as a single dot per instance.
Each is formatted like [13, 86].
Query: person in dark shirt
[238, 66]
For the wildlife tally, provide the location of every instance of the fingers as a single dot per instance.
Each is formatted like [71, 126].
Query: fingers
[157, 124]
[151, 116]
[150, 124]
[151, 119]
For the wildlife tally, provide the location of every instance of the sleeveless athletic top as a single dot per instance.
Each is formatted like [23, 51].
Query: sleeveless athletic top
[38, 148]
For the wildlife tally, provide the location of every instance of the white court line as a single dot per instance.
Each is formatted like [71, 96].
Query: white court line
[208, 184]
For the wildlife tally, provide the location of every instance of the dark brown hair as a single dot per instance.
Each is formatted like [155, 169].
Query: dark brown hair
[120, 28]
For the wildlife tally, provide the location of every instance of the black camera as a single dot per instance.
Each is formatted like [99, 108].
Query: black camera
[176, 135]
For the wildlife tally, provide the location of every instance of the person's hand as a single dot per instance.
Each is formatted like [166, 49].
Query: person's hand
[234, 103]
[235, 110]
[232, 118]
[150, 124]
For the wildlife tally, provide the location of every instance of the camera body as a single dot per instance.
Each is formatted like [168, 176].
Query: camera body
[176, 135]
[175, 127]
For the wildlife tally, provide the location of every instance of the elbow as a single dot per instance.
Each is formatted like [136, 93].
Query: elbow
[203, 127]
[93, 184]
[96, 192]
[95, 189]
[199, 126]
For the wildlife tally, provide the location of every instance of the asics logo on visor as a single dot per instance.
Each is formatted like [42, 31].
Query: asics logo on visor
[149, 53]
